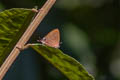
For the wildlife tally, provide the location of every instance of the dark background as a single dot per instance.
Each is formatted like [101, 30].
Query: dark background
[89, 32]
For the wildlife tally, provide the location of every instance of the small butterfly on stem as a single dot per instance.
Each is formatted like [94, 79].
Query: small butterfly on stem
[52, 39]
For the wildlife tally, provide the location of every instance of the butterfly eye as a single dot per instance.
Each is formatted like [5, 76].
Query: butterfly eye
[44, 39]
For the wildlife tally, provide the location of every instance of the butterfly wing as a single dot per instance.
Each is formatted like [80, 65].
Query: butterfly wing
[52, 38]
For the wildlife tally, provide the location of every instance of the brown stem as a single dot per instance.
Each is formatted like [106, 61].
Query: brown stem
[34, 24]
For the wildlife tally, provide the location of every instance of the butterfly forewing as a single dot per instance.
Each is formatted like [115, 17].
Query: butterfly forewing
[52, 38]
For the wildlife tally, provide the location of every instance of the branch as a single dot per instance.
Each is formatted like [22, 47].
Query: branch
[25, 37]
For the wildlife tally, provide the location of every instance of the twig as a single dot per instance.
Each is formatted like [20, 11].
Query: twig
[34, 24]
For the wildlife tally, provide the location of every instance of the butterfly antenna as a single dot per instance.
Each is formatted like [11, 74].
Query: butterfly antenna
[39, 37]
[36, 7]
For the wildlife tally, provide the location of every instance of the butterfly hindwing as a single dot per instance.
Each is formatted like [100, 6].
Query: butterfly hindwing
[52, 38]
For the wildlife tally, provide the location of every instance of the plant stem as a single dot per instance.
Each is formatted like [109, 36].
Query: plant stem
[25, 37]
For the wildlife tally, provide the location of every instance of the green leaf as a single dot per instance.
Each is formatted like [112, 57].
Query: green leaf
[13, 23]
[71, 68]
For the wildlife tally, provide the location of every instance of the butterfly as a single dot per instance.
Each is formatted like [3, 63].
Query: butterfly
[52, 39]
